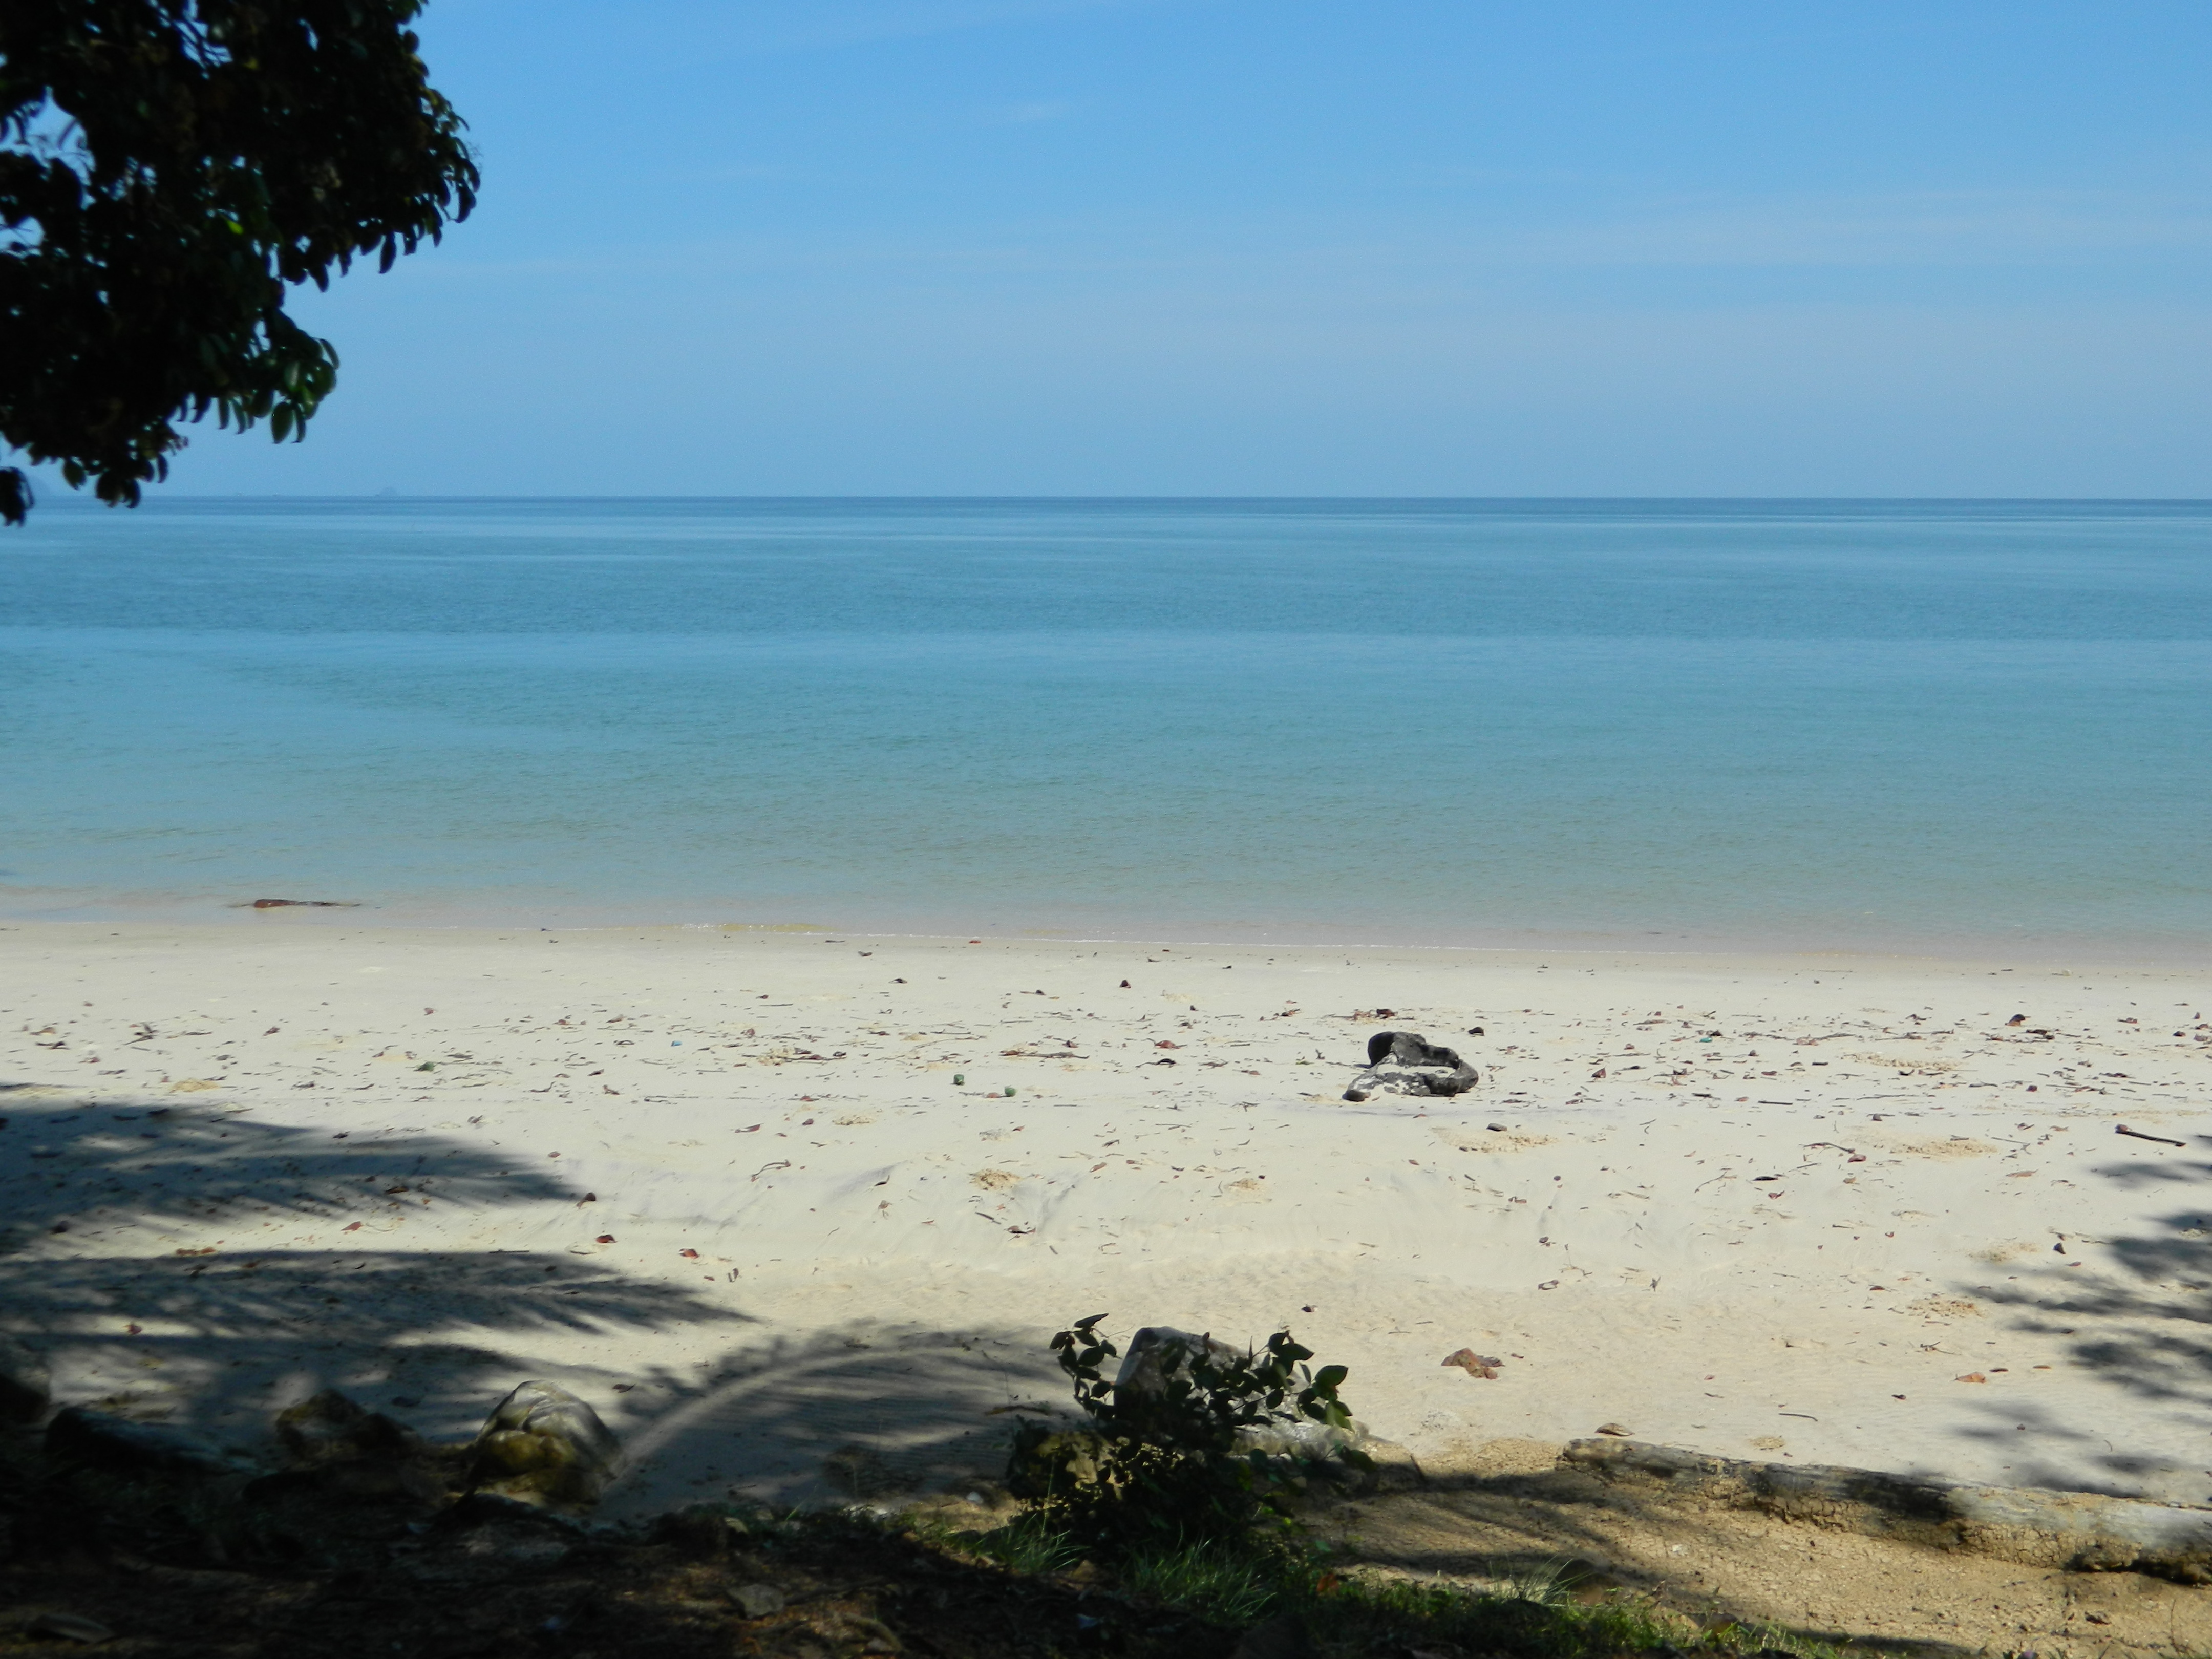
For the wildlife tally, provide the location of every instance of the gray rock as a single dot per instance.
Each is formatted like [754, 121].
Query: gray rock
[79, 1434]
[757, 1600]
[1305, 1438]
[1156, 1354]
[1159, 1353]
[340, 1452]
[330, 1428]
[543, 1444]
[1407, 1063]
[1410, 1048]
[26, 1386]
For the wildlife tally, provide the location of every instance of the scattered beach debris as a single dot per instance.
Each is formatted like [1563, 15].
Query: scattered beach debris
[297, 904]
[1473, 1363]
[1616, 1430]
[2137, 1134]
[1944, 1307]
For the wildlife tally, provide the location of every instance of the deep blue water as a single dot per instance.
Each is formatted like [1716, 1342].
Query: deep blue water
[1953, 726]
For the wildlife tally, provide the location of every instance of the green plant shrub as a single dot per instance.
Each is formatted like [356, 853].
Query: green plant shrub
[1210, 1449]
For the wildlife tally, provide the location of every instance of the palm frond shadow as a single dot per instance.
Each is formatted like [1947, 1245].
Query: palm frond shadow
[2141, 1324]
[311, 1284]
[865, 1412]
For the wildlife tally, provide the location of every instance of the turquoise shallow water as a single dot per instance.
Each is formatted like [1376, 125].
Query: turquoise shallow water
[1946, 726]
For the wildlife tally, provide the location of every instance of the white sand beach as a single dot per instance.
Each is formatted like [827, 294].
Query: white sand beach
[761, 1196]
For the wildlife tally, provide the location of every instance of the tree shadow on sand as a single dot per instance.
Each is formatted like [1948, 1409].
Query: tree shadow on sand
[1558, 1531]
[2141, 1324]
[110, 1263]
[865, 1411]
[189, 1265]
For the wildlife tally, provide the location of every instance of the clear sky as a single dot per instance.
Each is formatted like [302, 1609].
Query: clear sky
[1274, 247]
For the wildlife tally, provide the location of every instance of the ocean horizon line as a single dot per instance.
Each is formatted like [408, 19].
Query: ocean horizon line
[624, 498]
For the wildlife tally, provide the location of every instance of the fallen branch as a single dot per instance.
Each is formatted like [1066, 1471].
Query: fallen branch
[2137, 1134]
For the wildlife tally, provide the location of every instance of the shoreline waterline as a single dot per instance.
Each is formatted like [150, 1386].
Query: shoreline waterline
[368, 919]
[80, 911]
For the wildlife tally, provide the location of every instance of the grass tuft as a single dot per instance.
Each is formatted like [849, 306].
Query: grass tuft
[1365, 1612]
[1214, 1581]
[1546, 1584]
[1029, 1546]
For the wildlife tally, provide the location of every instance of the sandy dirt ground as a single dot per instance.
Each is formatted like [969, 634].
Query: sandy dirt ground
[1504, 1514]
[797, 1212]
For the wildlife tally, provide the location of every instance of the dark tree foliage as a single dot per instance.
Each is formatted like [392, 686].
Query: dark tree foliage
[168, 169]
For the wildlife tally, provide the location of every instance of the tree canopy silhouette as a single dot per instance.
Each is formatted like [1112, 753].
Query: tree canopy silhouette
[168, 168]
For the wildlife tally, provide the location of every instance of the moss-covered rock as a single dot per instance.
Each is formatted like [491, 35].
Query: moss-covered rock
[543, 1445]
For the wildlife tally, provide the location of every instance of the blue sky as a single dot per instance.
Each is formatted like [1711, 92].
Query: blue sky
[1213, 248]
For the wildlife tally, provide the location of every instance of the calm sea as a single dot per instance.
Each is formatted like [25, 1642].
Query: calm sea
[1958, 726]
